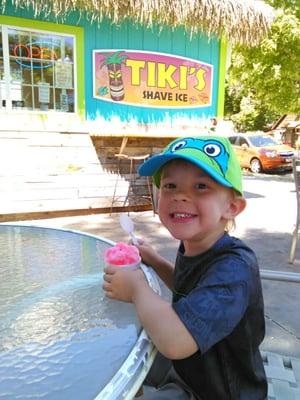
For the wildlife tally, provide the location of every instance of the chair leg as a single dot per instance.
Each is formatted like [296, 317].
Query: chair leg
[115, 188]
[294, 242]
[130, 185]
[133, 190]
[150, 194]
[293, 246]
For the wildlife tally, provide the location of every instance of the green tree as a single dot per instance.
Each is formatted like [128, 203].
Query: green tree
[264, 81]
[291, 6]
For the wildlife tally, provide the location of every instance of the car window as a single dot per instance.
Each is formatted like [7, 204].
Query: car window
[261, 141]
[243, 141]
[232, 139]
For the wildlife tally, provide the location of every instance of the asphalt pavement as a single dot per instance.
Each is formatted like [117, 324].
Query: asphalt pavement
[266, 226]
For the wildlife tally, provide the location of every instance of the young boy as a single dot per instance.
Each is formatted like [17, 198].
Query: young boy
[212, 330]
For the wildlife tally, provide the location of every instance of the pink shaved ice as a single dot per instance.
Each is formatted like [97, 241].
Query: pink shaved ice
[122, 254]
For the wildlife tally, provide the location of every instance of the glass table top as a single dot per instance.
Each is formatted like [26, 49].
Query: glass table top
[60, 337]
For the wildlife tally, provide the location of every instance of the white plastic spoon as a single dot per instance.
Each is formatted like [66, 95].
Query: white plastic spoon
[128, 227]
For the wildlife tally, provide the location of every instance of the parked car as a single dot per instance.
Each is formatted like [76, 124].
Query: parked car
[260, 152]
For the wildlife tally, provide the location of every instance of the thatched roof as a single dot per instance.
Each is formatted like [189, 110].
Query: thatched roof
[243, 21]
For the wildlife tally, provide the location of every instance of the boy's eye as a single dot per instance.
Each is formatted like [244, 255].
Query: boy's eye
[201, 186]
[169, 185]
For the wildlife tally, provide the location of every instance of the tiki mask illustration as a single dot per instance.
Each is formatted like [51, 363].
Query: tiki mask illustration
[113, 63]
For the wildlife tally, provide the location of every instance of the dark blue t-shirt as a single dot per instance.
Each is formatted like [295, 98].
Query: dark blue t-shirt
[218, 296]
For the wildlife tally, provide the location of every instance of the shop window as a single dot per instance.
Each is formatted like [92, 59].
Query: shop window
[36, 70]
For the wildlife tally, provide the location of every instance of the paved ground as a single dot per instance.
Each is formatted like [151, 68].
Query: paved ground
[266, 226]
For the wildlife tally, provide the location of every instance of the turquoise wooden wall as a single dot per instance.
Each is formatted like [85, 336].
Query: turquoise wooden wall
[128, 36]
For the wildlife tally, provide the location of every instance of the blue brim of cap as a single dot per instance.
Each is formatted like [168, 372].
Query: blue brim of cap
[152, 166]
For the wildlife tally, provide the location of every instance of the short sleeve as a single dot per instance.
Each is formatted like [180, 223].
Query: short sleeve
[216, 305]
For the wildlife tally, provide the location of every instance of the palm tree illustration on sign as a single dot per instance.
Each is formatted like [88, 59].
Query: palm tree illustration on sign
[113, 63]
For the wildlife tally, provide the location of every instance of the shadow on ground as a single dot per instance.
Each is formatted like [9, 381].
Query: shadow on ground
[279, 176]
[250, 195]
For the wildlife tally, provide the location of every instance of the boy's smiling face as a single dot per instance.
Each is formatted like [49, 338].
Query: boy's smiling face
[194, 207]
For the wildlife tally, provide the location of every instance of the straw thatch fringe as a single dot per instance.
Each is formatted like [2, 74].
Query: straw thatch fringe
[243, 21]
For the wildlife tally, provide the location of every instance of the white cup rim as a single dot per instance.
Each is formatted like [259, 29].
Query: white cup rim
[134, 265]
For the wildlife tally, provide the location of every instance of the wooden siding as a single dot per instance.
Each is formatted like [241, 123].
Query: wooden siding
[55, 174]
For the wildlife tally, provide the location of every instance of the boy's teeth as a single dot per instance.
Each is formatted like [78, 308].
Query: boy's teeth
[181, 215]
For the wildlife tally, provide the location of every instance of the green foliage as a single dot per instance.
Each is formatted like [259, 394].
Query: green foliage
[292, 6]
[252, 115]
[264, 81]
[114, 58]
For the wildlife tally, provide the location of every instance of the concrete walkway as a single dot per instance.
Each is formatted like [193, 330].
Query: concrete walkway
[266, 226]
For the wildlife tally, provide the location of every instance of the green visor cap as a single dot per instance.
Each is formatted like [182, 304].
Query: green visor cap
[213, 154]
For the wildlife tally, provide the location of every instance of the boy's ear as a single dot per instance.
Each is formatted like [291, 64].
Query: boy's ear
[236, 205]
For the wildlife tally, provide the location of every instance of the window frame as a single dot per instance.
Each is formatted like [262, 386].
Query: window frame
[78, 65]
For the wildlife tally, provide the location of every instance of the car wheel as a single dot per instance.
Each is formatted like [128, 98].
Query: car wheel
[255, 166]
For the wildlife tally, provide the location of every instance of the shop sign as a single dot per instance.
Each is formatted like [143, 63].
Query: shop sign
[37, 50]
[64, 102]
[44, 92]
[151, 79]
[63, 75]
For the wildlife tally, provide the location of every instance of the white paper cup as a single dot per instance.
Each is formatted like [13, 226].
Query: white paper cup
[133, 266]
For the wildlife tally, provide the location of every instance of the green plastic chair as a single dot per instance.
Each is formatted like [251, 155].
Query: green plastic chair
[295, 235]
[283, 373]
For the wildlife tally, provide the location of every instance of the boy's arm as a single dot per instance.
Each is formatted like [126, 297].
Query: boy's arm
[163, 325]
[156, 315]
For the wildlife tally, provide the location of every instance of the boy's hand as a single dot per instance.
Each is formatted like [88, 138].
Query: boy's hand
[121, 284]
[148, 254]
[161, 266]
